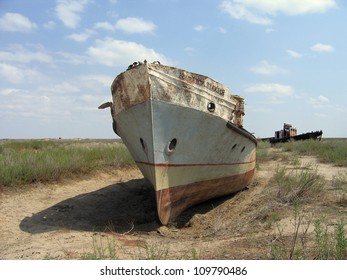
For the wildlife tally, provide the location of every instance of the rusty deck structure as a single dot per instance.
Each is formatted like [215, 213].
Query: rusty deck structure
[289, 133]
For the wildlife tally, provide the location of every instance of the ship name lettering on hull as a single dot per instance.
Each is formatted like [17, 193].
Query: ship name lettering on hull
[200, 82]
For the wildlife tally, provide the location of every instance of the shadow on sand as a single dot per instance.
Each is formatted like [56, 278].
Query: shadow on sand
[119, 207]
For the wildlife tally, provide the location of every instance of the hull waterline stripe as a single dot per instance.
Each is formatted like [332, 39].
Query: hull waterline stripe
[192, 164]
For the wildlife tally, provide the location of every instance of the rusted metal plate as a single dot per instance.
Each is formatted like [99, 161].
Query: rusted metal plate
[130, 88]
[176, 86]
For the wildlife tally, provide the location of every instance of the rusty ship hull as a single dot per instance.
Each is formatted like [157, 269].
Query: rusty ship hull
[185, 133]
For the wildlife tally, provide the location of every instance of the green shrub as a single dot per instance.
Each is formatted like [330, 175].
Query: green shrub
[330, 245]
[294, 184]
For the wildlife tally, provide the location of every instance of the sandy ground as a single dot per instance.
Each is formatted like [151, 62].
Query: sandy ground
[83, 218]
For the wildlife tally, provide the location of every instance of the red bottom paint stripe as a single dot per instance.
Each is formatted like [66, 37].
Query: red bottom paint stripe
[192, 164]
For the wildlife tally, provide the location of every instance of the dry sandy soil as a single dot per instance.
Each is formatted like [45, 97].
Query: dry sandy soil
[83, 218]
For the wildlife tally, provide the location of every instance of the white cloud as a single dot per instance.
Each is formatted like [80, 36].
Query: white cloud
[294, 54]
[274, 93]
[23, 55]
[18, 75]
[68, 11]
[8, 91]
[199, 28]
[290, 7]
[34, 105]
[72, 58]
[320, 115]
[81, 37]
[341, 109]
[322, 48]
[279, 89]
[265, 68]
[222, 30]
[89, 98]
[128, 25]
[104, 25]
[122, 53]
[46, 99]
[240, 11]
[64, 87]
[97, 80]
[323, 99]
[49, 25]
[262, 11]
[189, 49]
[15, 99]
[320, 101]
[135, 25]
[14, 22]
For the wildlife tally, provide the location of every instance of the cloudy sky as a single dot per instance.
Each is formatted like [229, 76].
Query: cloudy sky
[288, 58]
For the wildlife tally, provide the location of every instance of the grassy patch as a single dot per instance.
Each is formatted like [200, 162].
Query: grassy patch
[327, 151]
[263, 153]
[25, 162]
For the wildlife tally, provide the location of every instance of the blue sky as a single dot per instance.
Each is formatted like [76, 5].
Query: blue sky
[288, 58]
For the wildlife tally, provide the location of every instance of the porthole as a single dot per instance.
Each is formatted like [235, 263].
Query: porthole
[143, 145]
[234, 146]
[211, 107]
[171, 146]
[243, 149]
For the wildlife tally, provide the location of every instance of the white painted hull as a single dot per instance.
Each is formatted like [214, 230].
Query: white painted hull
[188, 153]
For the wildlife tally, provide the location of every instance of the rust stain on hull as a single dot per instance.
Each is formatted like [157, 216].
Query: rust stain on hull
[173, 201]
[129, 89]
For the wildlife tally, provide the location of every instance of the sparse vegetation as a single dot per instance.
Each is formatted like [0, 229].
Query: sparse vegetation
[263, 153]
[102, 250]
[339, 184]
[295, 208]
[25, 162]
[157, 251]
[297, 186]
[325, 243]
[330, 242]
[297, 183]
[328, 150]
[294, 245]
